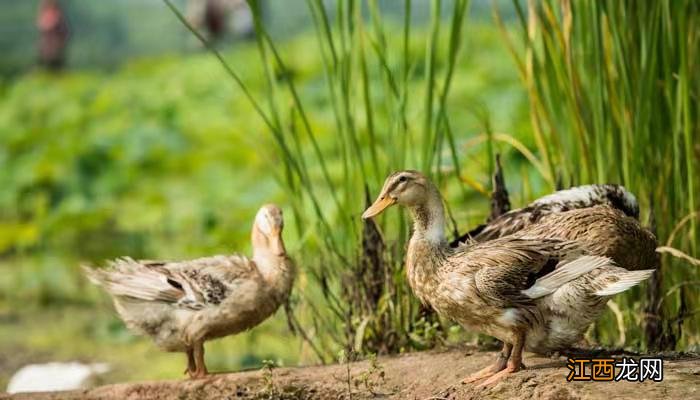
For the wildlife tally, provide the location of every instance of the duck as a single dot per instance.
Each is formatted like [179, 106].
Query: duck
[183, 304]
[514, 288]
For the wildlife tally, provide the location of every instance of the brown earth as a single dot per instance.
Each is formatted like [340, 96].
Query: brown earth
[433, 375]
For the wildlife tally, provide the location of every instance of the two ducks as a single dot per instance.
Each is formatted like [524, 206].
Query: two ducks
[533, 278]
[535, 284]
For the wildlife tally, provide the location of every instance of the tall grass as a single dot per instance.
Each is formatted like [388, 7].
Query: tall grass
[366, 297]
[613, 88]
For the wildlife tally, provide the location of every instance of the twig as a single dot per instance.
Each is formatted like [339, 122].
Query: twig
[620, 321]
[679, 254]
[680, 224]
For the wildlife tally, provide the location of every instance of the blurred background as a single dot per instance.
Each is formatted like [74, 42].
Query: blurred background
[121, 134]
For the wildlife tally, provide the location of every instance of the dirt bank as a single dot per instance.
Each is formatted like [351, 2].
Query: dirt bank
[430, 375]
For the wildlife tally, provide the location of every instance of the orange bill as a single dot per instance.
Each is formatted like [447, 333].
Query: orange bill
[380, 205]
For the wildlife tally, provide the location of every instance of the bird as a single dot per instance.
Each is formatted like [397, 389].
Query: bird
[182, 304]
[515, 288]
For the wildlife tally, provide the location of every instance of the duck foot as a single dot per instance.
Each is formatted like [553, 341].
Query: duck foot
[191, 366]
[497, 377]
[198, 374]
[200, 369]
[497, 366]
[486, 372]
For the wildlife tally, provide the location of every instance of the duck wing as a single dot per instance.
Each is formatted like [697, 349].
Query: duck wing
[193, 284]
[604, 231]
[513, 271]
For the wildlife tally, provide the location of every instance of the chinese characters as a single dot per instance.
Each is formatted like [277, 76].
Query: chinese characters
[607, 369]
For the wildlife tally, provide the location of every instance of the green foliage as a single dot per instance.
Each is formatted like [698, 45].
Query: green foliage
[90, 160]
[269, 389]
[149, 162]
[373, 138]
[373, 377]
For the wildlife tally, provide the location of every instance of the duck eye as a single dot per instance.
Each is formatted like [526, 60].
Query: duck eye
[403, 178]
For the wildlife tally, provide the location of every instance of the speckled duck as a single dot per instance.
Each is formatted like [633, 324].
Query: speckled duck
[182, 304]
[516, 288]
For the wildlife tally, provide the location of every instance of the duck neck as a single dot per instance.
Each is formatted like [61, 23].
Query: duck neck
[426, 249]
[271, 259]
[429, 220]
[276, 270]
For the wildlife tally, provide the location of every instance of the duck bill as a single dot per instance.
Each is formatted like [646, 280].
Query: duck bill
[380, 205]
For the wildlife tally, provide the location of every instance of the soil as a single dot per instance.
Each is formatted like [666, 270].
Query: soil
[433, 375]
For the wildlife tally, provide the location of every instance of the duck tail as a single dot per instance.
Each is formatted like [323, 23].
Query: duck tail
[104, 277]
[95, 276]
[127, 278]
[566, 271]
[625, 281]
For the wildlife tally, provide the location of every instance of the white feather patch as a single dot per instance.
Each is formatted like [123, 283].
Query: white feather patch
[630, 199]
[589, 195]
[583, 193]
[509, 317]
[627, 280]
[435, 233]
[565, 273]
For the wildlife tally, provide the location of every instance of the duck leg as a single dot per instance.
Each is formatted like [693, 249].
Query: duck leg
[190, 362]
[514, 364]
[492, 369]
[200, 370]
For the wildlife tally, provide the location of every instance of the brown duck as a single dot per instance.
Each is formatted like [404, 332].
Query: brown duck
[515, 288]
[182, 304]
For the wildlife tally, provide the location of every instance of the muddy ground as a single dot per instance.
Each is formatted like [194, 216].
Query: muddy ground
[431, 375]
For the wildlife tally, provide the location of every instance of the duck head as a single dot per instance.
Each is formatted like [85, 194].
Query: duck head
[267, 231]
[408, 188]
[414, 191]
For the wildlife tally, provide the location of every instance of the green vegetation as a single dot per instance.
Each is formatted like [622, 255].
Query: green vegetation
[168, 158]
